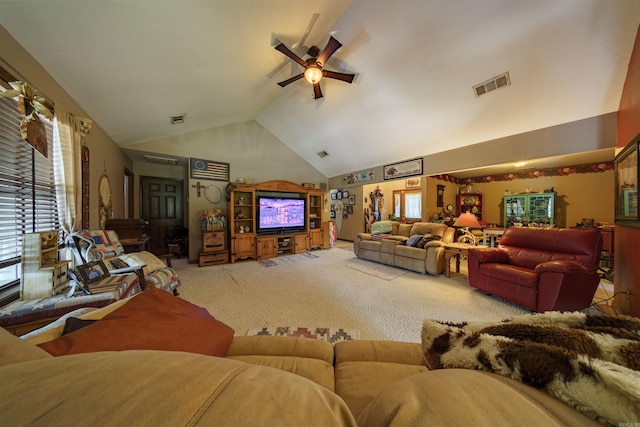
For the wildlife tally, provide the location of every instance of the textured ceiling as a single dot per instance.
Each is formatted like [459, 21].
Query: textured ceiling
[131, 65]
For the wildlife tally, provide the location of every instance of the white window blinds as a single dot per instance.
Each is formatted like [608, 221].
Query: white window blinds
[27, 194]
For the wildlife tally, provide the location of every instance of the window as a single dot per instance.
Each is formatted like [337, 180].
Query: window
[407, 204]
[27, 195]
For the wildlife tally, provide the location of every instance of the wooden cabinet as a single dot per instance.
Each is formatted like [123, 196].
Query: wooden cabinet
[300, 243]
[245, 243]
[43, 273]
[242, 226]
[528, 208]
[243, 247]
[470, 202]
[214, 248]
[316, 239]
[266, 247]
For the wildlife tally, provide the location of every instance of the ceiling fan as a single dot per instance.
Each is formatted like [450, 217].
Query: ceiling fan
[313, 66]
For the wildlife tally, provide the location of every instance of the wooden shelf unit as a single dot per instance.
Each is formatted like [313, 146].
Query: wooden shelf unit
[43, 273]
[242, 224]
[245, 243]
[471, 203]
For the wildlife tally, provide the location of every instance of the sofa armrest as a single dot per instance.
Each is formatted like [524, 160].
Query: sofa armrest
[166, 258]
[568, 267]
[485, 255]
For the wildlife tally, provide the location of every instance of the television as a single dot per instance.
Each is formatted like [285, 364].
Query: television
[280, 215]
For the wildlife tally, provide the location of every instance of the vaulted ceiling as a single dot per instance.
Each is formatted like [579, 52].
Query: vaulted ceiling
[132, 65]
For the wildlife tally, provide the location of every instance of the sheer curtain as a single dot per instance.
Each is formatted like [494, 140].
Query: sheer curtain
[67, 165]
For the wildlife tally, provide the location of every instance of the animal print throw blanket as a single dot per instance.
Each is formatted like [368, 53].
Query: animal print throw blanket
[590, 362]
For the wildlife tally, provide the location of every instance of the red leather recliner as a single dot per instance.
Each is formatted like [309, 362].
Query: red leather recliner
[541, 269]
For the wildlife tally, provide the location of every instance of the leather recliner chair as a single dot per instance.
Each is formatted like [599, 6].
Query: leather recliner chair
[541, 269]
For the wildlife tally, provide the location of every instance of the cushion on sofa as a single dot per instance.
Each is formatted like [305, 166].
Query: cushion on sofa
[461, 397]
[158, 388]
[15, 350]
[380, 227]
[426, 239]
[152, 320]
[404, 230]
[413, 240]
[587, 365]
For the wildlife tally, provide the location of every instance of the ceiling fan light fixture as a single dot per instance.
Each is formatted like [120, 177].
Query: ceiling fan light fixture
[313, 74]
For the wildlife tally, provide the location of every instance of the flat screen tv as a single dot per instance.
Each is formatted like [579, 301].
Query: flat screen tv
[280, 215]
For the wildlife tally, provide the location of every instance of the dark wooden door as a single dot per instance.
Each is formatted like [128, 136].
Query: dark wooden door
[162, 206]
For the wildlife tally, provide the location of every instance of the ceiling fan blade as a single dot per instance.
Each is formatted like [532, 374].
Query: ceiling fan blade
[317, 93]
[345, 77]
[282, 48]
[330, 49]
[291, 80]
[314, 18]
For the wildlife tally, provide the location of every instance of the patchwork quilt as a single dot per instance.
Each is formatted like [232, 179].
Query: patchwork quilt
[590, 362]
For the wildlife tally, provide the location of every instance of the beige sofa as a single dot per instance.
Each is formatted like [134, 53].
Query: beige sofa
[393, 251]
[285, 381]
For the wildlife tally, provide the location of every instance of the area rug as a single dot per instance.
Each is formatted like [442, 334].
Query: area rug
[385, 272]
[288, 259]
[332, 335]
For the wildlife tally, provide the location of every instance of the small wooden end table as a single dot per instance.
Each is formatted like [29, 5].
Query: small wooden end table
[456, 250]
[492, 235]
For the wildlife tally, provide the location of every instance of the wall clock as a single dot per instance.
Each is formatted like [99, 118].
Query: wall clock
[449, 207]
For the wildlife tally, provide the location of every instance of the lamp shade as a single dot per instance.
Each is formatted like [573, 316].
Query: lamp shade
[313, 74]
[467, 220]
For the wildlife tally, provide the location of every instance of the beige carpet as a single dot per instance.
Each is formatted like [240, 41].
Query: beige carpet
[325, 292]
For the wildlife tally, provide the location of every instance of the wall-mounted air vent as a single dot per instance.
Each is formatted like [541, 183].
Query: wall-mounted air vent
[503, 80]
[177, 119]
[161, 160]
[322, 154]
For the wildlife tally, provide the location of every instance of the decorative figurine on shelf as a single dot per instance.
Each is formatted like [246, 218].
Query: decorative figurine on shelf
[241, 200]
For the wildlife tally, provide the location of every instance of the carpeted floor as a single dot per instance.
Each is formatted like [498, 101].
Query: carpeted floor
[325, 292]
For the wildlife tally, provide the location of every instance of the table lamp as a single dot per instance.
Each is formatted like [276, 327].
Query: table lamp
[465, 221]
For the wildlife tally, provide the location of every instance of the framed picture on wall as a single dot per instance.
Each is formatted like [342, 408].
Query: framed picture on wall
[345, 194]
[352, 199]
[333, 214]
[334, 196]
[350, 209]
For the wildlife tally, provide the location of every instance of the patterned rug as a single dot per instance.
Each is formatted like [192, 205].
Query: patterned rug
[288, 259]
[382, 271]
[332, 335]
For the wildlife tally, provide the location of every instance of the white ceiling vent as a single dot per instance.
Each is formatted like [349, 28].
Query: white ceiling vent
[490, 85]
[161, 160]
[177, 119]
[323, 154]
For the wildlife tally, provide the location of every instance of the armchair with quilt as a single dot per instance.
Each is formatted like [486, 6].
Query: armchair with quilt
[104, 245]
[541, 269]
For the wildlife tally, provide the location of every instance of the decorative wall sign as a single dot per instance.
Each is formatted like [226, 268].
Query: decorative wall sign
[413, 182]
[407, 168]
[208, 169]
[361, 176]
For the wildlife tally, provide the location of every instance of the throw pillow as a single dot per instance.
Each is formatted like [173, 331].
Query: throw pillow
[593, 372]
[426, 239]
[381, 227]
[136, 259]
[413, 240]
[152, 320]
[73, 324]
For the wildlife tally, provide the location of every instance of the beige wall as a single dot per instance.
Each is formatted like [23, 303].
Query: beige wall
[105, 155]
[583, 195]
[252, 152]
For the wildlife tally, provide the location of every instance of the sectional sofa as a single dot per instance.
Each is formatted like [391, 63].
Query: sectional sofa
[260, 380]
[387, 244]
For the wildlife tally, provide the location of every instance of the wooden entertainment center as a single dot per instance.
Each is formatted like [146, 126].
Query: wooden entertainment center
[246, 238]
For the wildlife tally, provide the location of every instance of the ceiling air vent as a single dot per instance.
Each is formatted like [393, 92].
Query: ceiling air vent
[323, 154]
[490, 85]
[161, 160]
[177, 119]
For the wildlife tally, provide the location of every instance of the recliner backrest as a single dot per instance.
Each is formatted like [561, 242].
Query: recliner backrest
[528, 247]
